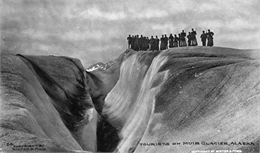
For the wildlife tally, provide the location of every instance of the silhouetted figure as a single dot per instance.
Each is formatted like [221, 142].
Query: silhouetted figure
[144, 45]
[210, 38]
[179, 39]
[129, 40]
[203, 38]
[189, 39]
[152, 42]
[132, 42]
[175, 41]
[157, 41]
[166, 41]
[140, 42]
[136, 45]
[148, 43]
[162, 47]
[182, 39]
[170, 41]
[193, 38]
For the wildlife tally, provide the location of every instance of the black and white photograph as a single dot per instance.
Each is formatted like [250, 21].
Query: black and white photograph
[130, 76]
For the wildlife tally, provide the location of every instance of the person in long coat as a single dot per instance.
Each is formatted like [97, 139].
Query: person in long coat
[210, 38]
[182, 39]
[175, 41]
[136, 45]
[140, 43]
[180, 43]
[170, 41]
[193, 38]
[129, 40]
[152, 42]
[157, 41]
[162, 47]
[166, 41]
[133, 42]
[203, 38]
[189, 39]
[147, 43]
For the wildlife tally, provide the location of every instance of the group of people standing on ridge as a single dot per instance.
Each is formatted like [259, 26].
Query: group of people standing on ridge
[144, 43]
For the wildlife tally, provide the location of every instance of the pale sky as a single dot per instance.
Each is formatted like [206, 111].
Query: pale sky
[96, 30]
